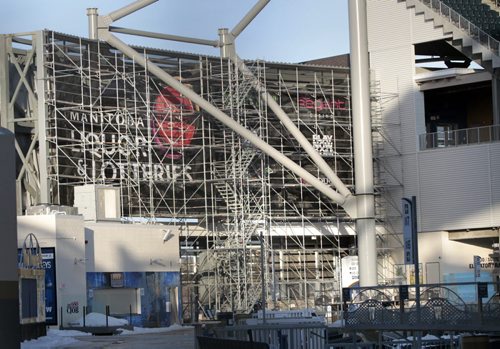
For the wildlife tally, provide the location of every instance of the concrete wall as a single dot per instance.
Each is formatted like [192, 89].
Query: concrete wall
[459, 187]
[66, 235]
[147, 258]
[9, 292]
[454, 258]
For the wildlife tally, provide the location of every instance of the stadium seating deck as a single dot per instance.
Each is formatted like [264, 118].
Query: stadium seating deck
[479, 14]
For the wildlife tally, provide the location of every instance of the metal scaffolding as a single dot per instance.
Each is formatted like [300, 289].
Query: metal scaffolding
[251, 228]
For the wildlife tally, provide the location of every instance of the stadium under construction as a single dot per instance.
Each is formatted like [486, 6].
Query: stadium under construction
[85, 113]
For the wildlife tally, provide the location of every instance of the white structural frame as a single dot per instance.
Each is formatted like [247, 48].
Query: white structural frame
[360, 207]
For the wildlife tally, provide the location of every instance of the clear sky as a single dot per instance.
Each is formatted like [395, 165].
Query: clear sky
[285, 31]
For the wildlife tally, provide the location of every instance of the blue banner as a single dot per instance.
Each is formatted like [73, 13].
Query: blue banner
[408, 231]
[49, 264]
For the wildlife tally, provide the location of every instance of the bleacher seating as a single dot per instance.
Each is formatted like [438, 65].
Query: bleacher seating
[479, 14]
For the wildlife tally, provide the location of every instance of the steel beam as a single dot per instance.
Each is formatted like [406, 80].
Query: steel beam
[245, 21]
[294, 130]
[130, 8]
[228, 50]
[222, 117]
[4, 83]
[41, 123]
[362, 135]
[213, 43]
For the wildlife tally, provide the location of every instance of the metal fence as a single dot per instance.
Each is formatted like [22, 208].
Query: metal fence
[453, 306]
[464, 136]
[383, 316]
[277, 336]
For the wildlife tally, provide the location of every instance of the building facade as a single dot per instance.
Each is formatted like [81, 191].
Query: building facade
[441, 122]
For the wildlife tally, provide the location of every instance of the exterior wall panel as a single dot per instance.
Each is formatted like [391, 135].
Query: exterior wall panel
[131, 248]
[455, 191]
[66, 235]
[494, 153]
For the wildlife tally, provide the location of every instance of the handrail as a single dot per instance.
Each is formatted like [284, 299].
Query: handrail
[466, 136]
[462, 23]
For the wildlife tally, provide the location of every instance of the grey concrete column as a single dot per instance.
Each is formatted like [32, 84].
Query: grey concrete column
[9, 290]
[362, 135]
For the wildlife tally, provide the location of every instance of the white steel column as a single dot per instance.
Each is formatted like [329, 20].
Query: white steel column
[4, 84]
[363, 160]
[92, 18]
[43, 151]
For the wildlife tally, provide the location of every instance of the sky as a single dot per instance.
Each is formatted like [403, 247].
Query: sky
[285, 31]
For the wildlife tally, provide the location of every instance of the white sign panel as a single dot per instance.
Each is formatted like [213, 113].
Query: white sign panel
[350, 271]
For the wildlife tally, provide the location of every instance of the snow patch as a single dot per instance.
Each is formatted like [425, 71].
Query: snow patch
[139, 330]
[99, 320]
[54, 337]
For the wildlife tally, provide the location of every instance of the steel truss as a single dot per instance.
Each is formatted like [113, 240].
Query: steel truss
[84, 113]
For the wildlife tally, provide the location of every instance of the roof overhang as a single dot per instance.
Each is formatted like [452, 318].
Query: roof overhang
[435, 79]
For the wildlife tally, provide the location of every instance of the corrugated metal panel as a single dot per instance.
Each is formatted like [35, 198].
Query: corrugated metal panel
[385, 33]
[454, 188]
[495, 183]
[397, 76]
[457, 188]
[424, 31]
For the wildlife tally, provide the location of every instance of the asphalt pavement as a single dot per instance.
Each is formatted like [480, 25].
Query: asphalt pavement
[177, 339]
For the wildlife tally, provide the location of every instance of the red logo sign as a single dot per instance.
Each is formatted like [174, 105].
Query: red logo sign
[173, 127]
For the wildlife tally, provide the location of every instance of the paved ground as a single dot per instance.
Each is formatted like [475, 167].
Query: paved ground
[177, 339]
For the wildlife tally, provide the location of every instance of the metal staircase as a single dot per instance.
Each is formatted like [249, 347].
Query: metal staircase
[466, 37]
[230, 272]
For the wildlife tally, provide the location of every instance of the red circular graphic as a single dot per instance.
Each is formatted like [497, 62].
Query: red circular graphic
[173, 126]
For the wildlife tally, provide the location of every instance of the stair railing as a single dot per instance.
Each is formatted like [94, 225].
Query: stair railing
[463, 23]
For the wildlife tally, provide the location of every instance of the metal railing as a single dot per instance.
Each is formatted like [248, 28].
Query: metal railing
[277, 336]
[461, 22]
[466, 136]
[453, 306]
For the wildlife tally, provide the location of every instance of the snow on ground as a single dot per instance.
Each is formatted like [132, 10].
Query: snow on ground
[141, 330]
[99, 320]
[65, 337]
[53, 338]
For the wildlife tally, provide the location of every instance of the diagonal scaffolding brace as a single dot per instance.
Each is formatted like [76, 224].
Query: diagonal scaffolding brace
[343, 197]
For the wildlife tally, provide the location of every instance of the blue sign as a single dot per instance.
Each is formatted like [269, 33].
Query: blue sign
[49, 264]
[408, 231]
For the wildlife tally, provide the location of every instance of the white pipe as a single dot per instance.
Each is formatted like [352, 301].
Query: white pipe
[130, 8]
[222, 117]
[213, 43]
[92, 18]
[245, 21]
[363, 159]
